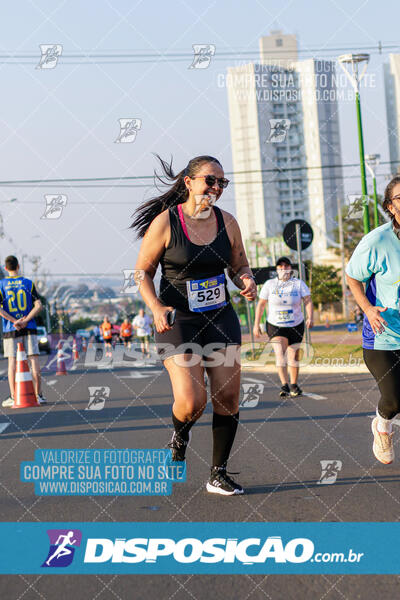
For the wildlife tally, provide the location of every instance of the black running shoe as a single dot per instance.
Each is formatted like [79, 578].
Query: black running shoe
[221, 483]
[295, 390]
[178, 447]
[284, 391]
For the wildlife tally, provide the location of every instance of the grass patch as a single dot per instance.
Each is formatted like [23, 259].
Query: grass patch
[264, 353]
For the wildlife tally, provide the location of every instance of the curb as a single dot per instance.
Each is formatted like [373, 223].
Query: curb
[323, 369]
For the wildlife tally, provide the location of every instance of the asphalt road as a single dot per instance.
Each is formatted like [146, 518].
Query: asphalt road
[278, 451]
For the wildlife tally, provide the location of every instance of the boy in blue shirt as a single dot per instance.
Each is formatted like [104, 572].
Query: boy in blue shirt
[19, 304]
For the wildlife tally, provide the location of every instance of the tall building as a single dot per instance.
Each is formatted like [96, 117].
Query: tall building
[391, 71]
[285, 143]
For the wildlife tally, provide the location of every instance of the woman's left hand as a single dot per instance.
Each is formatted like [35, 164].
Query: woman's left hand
[309, 323]
[250, 290]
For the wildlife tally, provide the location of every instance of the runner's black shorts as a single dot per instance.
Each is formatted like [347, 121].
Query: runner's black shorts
[200, 333]
[294, 334]
[126, 338]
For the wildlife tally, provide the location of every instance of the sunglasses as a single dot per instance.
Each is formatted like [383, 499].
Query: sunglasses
[211, 179]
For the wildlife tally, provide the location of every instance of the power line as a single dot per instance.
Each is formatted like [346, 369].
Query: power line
[275, 170]
[130, 57]
[112, 202]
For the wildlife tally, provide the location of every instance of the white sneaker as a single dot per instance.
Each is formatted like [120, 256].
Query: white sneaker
[41, 399]
[383, 444]
[8, 403]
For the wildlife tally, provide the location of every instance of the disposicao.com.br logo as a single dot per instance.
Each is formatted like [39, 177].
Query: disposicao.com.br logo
[247, 551]
[62, 547]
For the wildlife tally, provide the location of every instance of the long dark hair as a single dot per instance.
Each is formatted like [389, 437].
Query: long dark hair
[176, 194]
[388, 198]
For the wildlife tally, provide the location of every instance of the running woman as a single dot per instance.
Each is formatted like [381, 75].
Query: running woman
[19, 304]
[195, 242]
[285, 322]
[126, 333]
[106, 332]
[376, 262]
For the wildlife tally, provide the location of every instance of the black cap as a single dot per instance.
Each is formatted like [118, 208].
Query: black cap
[283, 260]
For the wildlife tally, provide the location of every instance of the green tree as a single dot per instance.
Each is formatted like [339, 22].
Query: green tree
[326, 284]
[353, 227]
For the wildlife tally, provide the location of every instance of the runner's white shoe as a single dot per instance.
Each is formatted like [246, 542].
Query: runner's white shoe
[383, 444]
[8, 403]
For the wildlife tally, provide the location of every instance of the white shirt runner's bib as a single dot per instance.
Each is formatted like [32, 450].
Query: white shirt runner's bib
[284, 301]
[206, 294]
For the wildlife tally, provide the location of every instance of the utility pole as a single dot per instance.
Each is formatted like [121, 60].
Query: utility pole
[354, 60]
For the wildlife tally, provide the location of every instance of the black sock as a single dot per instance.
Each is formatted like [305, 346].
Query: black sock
[182, 428]
[224, 430]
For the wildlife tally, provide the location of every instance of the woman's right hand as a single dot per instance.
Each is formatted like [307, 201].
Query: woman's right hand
[160, 318]
[256, 331]
[377, 322]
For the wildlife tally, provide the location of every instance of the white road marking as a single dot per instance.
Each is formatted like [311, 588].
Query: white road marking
[2, 371]
[51, 382]
[252, 379]
[314, 396]
[3, 426]
[139, 375]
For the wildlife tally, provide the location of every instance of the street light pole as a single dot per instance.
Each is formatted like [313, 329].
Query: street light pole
[371, 162]
[355, 78]
[345, 304]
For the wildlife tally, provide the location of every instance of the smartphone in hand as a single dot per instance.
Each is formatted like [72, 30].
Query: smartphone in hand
[171, 317]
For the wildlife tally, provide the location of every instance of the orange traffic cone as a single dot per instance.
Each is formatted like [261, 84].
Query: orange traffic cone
[24, 393]
[61, 369]
[84, 346]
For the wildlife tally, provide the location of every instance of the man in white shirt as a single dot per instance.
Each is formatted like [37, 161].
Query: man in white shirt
[285, 321]
[142, 325]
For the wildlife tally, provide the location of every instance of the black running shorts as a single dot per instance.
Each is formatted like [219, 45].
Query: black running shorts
[384, 365]
[200, 333]
[294, 334]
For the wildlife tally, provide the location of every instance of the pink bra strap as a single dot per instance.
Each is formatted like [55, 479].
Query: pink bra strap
[182, 220]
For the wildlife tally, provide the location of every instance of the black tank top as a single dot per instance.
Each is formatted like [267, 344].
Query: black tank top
[184, 261]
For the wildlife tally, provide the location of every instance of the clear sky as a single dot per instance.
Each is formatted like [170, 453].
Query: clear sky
[63, 122]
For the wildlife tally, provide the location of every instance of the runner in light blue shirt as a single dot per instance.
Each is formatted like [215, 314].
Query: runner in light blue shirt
[376, 262]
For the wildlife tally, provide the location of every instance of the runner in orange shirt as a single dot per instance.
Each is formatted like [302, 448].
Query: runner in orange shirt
[126, 333]
[106, 332]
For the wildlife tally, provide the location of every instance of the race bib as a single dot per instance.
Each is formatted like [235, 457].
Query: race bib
[206, 294]
[284, 317]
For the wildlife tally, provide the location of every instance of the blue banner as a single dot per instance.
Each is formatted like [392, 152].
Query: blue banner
[197, 548]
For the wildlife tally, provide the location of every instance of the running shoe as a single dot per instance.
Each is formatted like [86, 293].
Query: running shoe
[383, 444]
[295, 390]
[284, 391]
[8, 403]
[41, 399]
[221, 483]
[178, 447]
